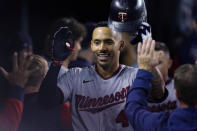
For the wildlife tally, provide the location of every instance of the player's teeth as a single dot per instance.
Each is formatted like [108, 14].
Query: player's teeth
[104, 55]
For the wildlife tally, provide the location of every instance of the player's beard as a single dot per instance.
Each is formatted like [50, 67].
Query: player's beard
[108, 61]
[104, 62]
[106, 65]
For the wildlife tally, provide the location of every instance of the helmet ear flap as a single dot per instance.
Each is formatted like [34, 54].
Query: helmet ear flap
[127, 15]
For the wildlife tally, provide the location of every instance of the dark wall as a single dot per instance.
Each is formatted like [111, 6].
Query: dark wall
[42, 13]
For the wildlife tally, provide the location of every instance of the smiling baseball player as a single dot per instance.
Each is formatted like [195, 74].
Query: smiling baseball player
[97, 94]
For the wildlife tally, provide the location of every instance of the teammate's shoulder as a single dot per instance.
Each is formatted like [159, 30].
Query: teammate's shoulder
[128, 71]
[170, 81]
[170, 84]
[128, 68]
[81, 69]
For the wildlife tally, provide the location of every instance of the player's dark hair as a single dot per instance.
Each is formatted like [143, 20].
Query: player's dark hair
[161, 46]
[185, 79]
[75, 26]
[85, 44]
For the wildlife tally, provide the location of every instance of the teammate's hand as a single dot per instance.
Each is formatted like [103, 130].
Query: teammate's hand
[62, 44]
[146, 55]
[143, 33]
[20, 73]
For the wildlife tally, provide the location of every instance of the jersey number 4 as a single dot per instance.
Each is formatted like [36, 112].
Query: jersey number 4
[121, 118]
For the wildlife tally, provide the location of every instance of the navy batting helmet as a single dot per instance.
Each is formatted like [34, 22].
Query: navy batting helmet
[127, 15]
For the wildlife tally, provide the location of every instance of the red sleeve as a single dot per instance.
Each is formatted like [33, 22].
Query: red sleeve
[66, 116]
[10, 116]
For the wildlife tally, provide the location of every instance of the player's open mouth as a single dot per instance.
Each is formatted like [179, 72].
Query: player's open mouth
[103, 56]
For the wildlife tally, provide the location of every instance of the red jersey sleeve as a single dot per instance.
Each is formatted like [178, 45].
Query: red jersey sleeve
[10, 116]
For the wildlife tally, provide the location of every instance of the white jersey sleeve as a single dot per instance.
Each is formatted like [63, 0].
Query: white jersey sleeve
[63, 70]
[67, 80]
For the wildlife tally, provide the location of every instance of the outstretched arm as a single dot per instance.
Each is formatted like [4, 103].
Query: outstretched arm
[50, 95]
[157, 89]
[136, 107]
[12, 112]
[158, 85]
[10, 116]
[146, 51]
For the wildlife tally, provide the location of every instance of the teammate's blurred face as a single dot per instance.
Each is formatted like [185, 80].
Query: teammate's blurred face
[76, 50]
[106, 47]
[165, 64]
[127, 37]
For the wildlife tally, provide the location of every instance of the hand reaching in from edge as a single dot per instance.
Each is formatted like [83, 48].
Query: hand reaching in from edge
[20, 73]
[147, 59]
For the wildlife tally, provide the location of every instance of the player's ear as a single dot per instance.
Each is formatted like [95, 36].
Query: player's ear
[91, 42]
[170, 63]
[122, 44]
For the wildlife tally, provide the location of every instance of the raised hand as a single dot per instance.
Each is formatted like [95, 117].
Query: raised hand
[148, 60]
[62, 44]
[146, 55]
[20, 72]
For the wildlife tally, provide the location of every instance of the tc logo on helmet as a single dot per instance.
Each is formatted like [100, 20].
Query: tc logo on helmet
[122, 16]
